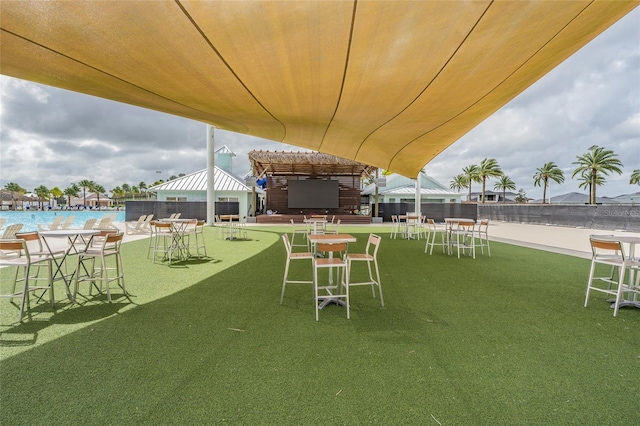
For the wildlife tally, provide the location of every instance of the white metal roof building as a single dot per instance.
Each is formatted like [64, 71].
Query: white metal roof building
[193, 187]
[197, 181]
[92, 200]
[399, 189]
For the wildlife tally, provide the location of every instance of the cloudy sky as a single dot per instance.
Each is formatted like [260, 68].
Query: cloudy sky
[53, 137]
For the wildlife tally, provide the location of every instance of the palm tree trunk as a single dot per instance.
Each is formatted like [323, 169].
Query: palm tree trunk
[544, 193]
[592, 195]
[484, 181]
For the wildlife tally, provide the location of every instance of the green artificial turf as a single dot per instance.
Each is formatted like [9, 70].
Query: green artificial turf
[499, 340]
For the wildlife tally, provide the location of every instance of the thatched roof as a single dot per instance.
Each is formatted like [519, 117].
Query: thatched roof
[281, 163]
[6, 195]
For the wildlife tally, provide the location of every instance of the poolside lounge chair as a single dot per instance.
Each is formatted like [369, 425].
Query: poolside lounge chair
[105, 223]
[89, 223]
[68, 222]
[11, 230]
[135, 227]
[80, 244]
[53, 225]
[146, 226]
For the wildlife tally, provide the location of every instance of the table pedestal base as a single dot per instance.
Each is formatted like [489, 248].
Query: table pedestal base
[624, 303]
[334, 300]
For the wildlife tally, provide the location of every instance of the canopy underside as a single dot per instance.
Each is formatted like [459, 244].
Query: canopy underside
[388, 84]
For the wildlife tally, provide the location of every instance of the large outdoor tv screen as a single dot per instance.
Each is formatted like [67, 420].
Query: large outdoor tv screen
[313, 194]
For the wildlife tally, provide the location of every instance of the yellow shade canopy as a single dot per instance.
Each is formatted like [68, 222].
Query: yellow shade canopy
[386, 83]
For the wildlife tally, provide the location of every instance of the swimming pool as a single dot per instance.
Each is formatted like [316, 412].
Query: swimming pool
[30, 219]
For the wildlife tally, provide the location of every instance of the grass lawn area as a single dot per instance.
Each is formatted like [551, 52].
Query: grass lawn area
[500, 340]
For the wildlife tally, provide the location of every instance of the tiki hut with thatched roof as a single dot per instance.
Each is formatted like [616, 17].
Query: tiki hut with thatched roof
[298, 183]
[11, 200]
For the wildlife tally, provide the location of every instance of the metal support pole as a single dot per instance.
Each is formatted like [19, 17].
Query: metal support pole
[375, 214]
[253, 190]
[418, 209]
[211, 193]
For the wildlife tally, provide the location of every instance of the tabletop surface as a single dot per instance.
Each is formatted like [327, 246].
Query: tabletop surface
[332, 238]
[68, 232]
[630, 239]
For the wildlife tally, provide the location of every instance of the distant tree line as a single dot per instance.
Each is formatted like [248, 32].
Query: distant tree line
[591, 169]
[118, 194]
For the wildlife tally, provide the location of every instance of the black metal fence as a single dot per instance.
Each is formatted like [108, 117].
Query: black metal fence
[435, 211]
[611, 217]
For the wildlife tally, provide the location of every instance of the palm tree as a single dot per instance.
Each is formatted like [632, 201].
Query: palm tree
[55, 193]
[546, 172]
[635, 177]
[597, 163]
[458, 182]
[98, 189]
[503, 184]
[71, 191]
[43, 194]
[143, 189]
[85, 184]
[126, 188]
[471, 174]
[585, 180]
[489, 167]
[14, 189]
[117, 193]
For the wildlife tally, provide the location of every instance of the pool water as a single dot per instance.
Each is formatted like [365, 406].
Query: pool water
[30, 219]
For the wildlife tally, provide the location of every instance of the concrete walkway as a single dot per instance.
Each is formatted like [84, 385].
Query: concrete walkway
[559, 239]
